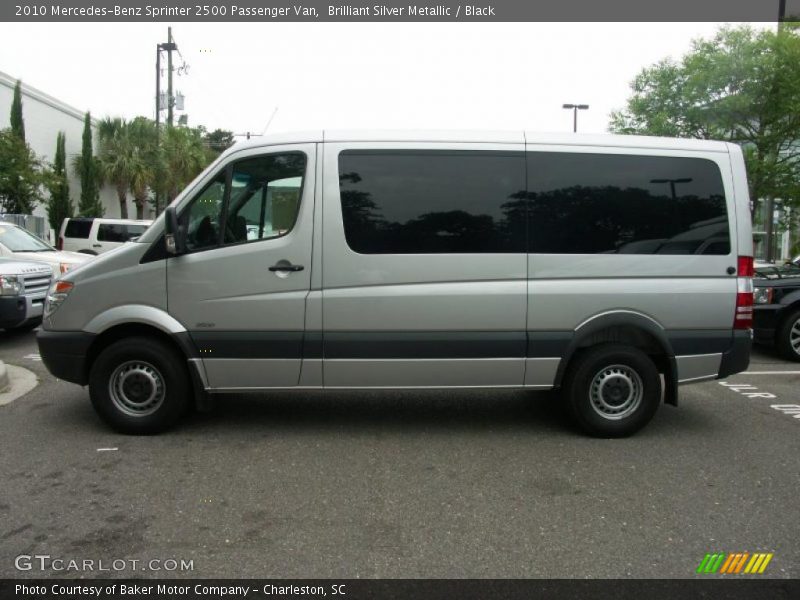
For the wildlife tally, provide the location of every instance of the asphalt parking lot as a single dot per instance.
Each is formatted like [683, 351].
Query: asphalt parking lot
[455, 484]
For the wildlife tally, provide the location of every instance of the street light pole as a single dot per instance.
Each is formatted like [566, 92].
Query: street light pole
[575, 108]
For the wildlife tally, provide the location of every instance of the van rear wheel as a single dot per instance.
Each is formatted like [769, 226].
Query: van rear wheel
[139, 386]
[612, 390]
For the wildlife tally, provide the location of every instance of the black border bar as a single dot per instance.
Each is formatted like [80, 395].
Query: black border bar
[732, 588]
[181, 11]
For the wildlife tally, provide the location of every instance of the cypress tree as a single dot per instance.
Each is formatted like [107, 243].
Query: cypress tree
[59, 206]
[17, 122]
[89, 205]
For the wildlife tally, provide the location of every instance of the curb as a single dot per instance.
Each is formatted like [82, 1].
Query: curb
[5, 384]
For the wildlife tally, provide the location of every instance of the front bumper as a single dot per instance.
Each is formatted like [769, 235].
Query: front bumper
[765, 322]
[13, 311]
[64, 354]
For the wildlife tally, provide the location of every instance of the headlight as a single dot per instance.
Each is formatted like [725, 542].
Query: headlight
[10, 285]
[763, 295]
[56, 296]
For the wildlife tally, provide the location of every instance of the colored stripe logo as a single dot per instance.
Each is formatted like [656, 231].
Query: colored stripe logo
[734, 563]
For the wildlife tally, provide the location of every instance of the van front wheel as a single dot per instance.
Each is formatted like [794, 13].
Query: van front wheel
[139, 386]
[612, 390]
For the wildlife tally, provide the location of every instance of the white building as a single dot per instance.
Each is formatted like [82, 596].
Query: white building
[44, 117]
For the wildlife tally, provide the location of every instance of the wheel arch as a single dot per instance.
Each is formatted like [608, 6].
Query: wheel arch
[630, 328]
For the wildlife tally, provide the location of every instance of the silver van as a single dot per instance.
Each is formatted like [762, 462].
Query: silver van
[613, 268]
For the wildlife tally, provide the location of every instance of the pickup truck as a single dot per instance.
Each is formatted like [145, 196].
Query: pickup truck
[23, 289]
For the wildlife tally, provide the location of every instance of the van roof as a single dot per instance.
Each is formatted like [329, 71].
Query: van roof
[487, 137]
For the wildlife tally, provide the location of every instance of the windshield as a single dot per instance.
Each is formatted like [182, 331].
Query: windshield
[20, 240]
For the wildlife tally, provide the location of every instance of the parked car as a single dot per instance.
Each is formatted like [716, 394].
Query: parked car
[342, 260]
[23, 289]
[776, 317]
[95, 235]
[17, 242]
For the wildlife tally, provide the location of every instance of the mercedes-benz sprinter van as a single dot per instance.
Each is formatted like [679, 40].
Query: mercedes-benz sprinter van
[613, 268]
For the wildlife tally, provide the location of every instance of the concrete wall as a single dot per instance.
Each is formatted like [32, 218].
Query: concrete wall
[44, 117]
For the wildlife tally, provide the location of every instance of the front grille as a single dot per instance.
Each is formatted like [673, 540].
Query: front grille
[37, 283]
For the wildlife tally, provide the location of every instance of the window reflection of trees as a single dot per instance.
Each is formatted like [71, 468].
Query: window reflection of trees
[454, 231]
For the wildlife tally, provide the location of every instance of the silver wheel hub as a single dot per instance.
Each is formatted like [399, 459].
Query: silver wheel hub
[137, 388]
[616, 392]
[794, 336]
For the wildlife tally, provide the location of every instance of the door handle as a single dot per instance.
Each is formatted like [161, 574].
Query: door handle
[287, 267]
[96, 245]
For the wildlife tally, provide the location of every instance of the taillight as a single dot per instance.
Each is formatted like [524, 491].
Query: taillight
[744, 266]
[60, 243]
[743, 316]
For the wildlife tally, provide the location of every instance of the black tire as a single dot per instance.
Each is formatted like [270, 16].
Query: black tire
[150, 390]
[788, 332]
[612, 390]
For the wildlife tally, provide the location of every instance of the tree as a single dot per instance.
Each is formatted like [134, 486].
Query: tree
[59, 206]
[218, 140]
[742, 86]
[116, 152]
[17, 122]
[20, 175]
[182, 157]
[88, 170]
[144, 162]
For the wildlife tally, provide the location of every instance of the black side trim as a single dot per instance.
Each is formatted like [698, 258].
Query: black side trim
[737, 358]
[425, 344]
[249, 344]
[699, 341]
[548, 344]
[64, 354]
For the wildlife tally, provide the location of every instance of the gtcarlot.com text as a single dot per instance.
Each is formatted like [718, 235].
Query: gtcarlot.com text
[46, 562]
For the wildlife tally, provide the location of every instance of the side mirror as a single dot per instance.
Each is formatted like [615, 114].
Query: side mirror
[173, 235]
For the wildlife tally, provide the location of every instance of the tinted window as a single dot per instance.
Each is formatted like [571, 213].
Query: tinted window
[263, 197]
[78, 228]
[600, 203]
[416, 202]
[108, 232]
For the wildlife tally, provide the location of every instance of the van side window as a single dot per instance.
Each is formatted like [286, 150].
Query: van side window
[202, 218]
[420, 202]
[582, 203]
[265, 197]
[261, 202]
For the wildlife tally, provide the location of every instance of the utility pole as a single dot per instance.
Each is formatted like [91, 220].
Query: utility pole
[168, 46]
[170, 102]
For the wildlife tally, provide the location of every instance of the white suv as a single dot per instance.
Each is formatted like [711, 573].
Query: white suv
[94, 235]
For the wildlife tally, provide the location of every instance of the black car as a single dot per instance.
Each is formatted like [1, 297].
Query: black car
[776, 303]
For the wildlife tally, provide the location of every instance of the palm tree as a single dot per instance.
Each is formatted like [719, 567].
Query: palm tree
[183, 157]
[116, 152]
[144, 161]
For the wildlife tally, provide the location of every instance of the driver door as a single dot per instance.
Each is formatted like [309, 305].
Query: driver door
[240, 289]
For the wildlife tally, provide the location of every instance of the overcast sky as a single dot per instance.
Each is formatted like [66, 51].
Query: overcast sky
[351, 75]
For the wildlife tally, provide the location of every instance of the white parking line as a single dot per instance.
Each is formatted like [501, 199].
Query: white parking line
[770, 373]
[107, 449]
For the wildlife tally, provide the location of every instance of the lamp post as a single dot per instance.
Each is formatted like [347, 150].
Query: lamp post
[672, 183]
[575, 108]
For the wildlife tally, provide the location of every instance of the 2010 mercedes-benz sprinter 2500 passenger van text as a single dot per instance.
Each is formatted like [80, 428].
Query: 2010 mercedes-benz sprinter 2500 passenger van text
[614, 268]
